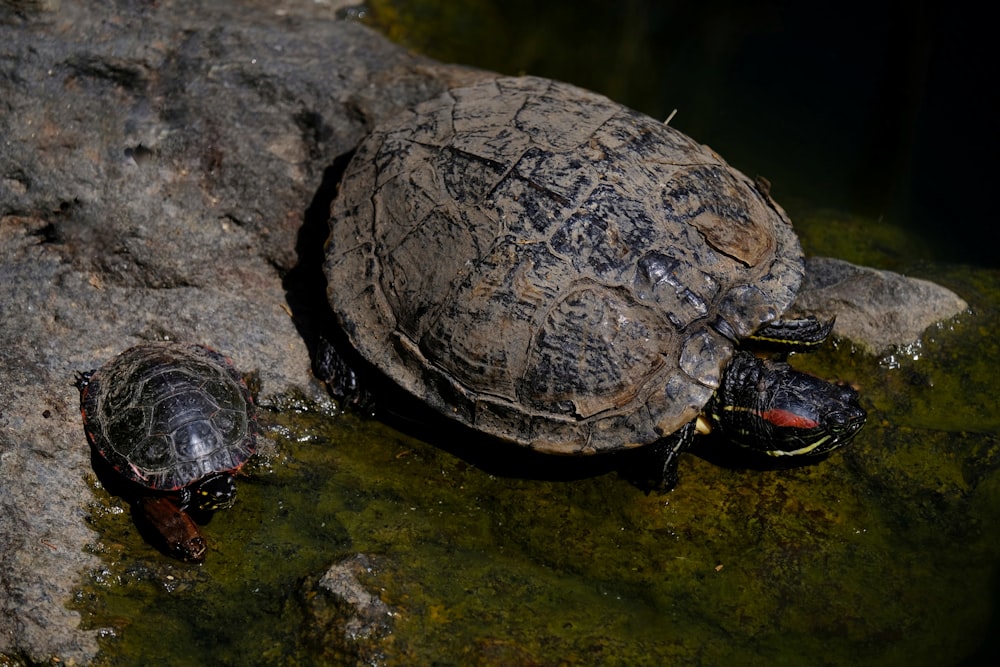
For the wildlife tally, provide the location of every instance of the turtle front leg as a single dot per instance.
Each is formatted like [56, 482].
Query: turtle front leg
[668, 451]
[656, 468]
[793, 335]
[178, 531]
[214, 492]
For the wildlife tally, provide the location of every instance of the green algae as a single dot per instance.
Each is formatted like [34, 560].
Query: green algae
[883, 554]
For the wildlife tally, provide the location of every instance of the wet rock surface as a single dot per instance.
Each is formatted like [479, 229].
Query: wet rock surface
[877, 310]
[158, 164]
[340, 603]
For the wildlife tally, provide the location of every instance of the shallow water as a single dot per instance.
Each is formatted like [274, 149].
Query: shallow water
[883, 554]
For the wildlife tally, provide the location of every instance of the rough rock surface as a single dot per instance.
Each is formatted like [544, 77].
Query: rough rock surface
[367, 615]
[159, 163]
[156, 164]
[340, 603]
[876, 310]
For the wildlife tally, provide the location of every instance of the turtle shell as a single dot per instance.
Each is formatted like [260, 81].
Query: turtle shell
[166, 415]
[550, 267]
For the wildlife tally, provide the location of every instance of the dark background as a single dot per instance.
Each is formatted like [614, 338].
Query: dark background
[880, 109]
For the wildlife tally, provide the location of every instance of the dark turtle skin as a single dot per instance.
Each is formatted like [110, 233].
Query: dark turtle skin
[178, 421]
[556, 270]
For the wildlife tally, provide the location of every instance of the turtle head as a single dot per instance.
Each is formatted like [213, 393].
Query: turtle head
[770, 407]
[216, 491]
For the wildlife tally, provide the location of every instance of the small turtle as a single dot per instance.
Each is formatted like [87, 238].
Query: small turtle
[556, 270]
[178, 421]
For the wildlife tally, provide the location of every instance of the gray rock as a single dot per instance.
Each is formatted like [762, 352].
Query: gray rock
[876, 310]
[344, 613]
[157, 162]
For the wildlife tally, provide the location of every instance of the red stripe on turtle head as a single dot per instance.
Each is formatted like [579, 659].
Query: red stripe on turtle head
[788, 419]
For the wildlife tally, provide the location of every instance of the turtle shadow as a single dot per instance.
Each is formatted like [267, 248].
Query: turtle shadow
[305, 283]
[485, 452]
[639, 466]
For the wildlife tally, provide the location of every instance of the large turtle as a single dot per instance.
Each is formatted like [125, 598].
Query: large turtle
[554, 269]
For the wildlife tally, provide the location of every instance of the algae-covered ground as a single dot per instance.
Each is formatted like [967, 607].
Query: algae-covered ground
[883, 554]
